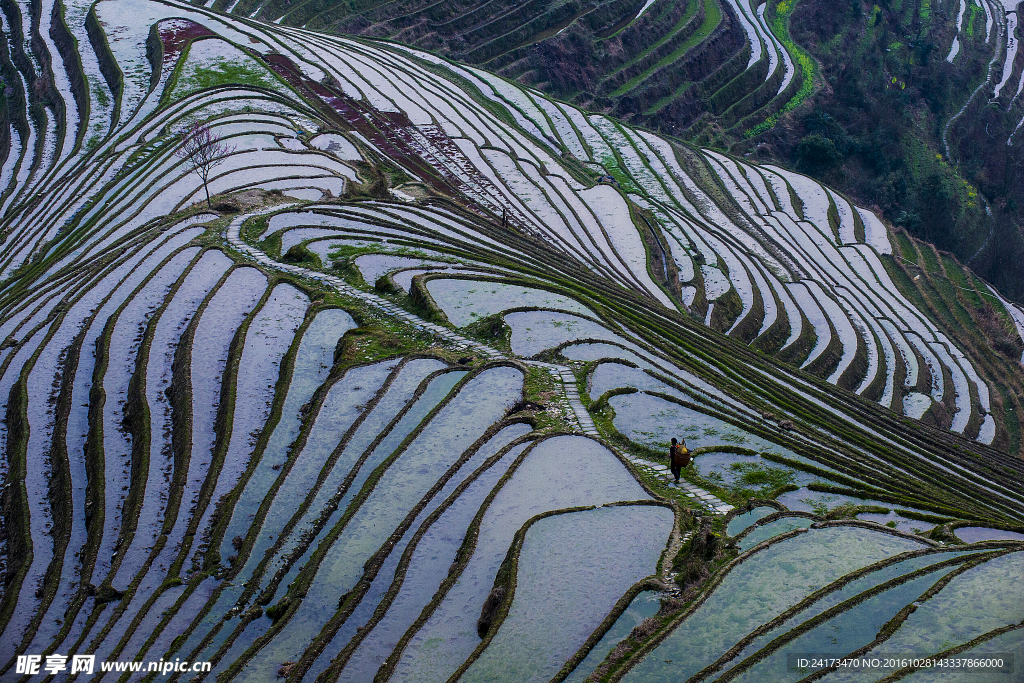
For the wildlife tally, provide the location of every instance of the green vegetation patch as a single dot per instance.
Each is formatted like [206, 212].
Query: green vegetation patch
[211, 63]
[779, 22]
[712, 17]
[973, 13]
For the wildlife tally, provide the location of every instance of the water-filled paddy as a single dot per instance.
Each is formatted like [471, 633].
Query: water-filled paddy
[230, 305]
[262, 505]
[465, 301]
[716, 283]
[646, 604]
[744, 520]
[607, 376]
[749, 472]
[843, 590]
[429, 564]
[844, 632]
[372, 266]
[342, 405]
[760, 588]
[395, 398]
[337, 145]
[1007, 643]
[293, 236]
[560, 472]
[980, 599]
[403, 278]
[399, 393]
[896, 521]
[987, 432]
[326, 249]
[975, 534]
[479, 403]
[313, 361]
[596, 351]
[818, 502]
[653, 421]
[307, 194]
[534, 331]
[267, 340]
[568, 568]
[349, 472]
[772, 529]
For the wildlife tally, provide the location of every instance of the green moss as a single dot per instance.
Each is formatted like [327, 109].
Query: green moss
[959, 278]
[278, 610]
[540, 387]
[254, 227]
[617, 170]
[299, 255]
[727, 309]
[755, 479]
[271, 245]
[906, 246]
[491, 330]
[193, 75]
[374, 342]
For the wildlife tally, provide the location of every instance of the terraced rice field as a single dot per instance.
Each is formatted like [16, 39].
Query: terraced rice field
[675, 65]
[394, 404]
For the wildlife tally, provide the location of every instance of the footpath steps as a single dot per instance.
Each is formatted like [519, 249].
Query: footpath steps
[704, 498]
[561, 373]
[573, 394]
[565, 376]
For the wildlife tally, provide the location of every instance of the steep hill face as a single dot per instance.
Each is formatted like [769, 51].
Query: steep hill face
[765, 255]
[917, 114]
[393, 402]
[911, 107]
[668, 64]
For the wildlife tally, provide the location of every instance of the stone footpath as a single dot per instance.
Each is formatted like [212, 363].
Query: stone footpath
[561, 373]
[564, 375]
[705, 498]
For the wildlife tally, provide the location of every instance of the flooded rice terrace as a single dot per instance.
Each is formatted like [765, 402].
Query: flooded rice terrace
[398, 402]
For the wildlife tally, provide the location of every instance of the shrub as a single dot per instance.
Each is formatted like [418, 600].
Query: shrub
[816, 153]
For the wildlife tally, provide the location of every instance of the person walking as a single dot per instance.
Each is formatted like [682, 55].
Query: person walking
[679, 457]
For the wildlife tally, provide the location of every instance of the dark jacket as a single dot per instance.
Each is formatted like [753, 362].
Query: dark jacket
[680, 456]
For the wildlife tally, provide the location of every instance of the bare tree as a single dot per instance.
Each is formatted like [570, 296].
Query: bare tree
[203, 150]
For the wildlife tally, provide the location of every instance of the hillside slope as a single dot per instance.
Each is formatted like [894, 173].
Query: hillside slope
[912, 107]
[420, 357]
